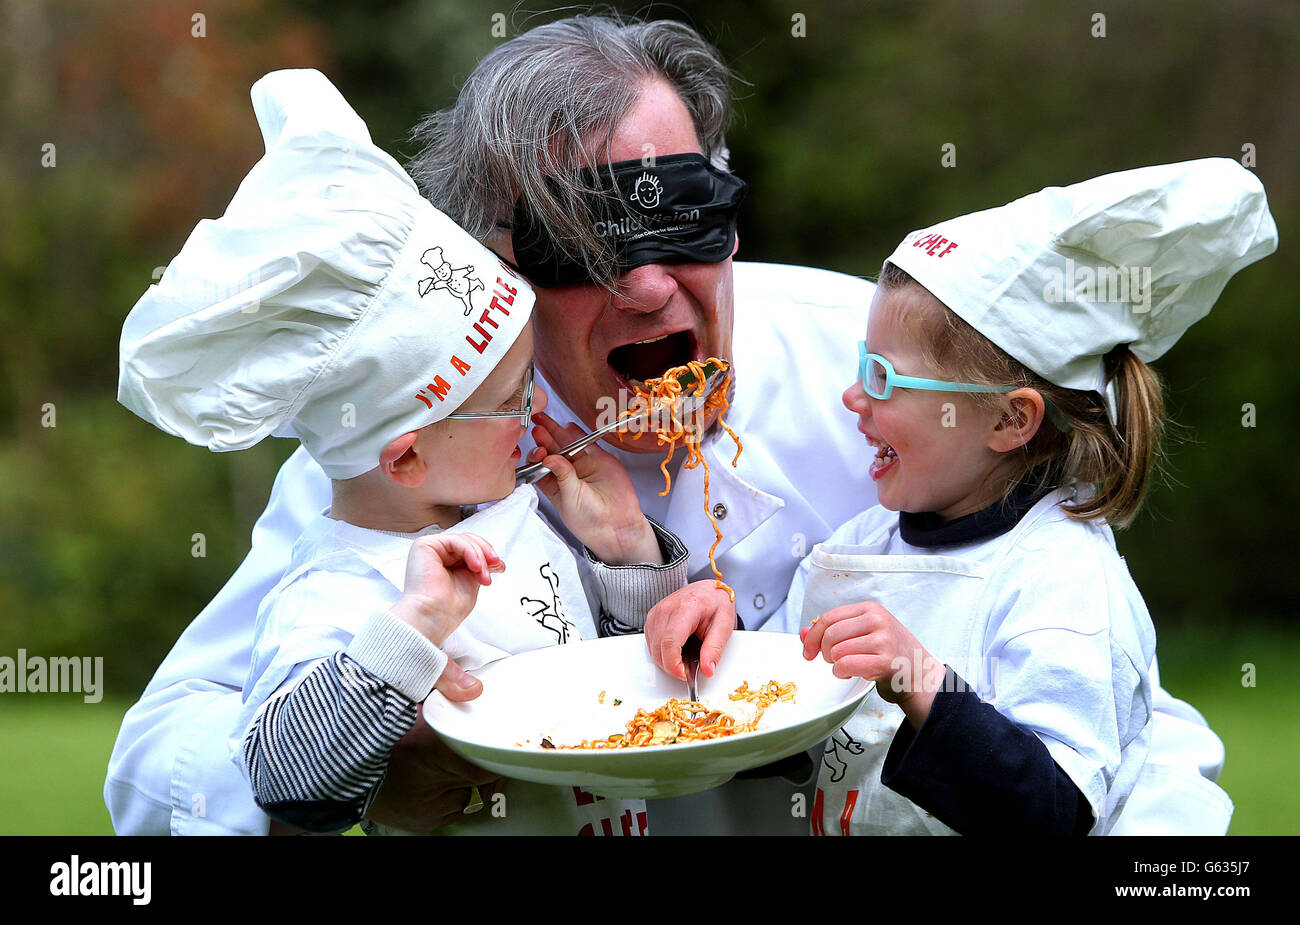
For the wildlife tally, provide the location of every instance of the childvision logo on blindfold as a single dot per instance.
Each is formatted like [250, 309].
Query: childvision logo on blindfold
[647, 192]
[685, 212]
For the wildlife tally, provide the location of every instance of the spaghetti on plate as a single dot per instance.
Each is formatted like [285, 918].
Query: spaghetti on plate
[680, 721]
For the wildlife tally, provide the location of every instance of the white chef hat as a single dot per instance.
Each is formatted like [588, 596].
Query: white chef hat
[1059, 278]
[330, 301]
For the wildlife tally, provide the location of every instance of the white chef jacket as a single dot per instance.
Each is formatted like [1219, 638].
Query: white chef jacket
[794, 349]
[803, 473]
[1042, 621]
[341, 573]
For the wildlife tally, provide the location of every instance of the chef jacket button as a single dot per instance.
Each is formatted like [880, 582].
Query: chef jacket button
[719, 511]
[759, 601]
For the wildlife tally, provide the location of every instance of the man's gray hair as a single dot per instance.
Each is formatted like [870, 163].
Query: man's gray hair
[526, 109]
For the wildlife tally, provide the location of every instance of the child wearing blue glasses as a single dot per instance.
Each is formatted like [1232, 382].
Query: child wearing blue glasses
[1014, 422]
[414, 408]
[1004, 390]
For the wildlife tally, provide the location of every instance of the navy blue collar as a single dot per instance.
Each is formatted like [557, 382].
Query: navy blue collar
[927, 529]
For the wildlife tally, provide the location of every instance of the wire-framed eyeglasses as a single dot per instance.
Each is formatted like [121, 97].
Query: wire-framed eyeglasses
[524, 414]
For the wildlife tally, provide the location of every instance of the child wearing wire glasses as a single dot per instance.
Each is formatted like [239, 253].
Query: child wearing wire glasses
[413, 398]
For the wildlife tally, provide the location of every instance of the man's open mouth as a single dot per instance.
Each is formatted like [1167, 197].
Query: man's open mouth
[635, 363]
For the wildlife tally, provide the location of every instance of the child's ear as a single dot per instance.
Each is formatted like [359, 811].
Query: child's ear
[402, 462]
[1022, 415]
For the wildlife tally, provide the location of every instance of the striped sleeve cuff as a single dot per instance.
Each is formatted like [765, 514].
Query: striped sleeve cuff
[627, 592]
[316, 755]
[396, 653]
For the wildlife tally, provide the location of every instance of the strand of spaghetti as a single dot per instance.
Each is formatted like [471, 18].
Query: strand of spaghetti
[662, 394]
[736, 458]
[663, 466]
[718, 400]
[717, 537]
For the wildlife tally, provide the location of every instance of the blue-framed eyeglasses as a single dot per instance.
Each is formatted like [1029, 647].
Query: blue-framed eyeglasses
[524, 414]
[879, 379]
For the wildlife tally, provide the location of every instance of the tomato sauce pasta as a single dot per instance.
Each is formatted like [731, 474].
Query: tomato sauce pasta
[680, 721]
[661, 397]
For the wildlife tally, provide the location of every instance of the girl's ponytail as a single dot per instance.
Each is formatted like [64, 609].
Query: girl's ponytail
[1132, 444]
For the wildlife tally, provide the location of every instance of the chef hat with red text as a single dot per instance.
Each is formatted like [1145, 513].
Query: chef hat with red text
[330, 302]
[1059, 278]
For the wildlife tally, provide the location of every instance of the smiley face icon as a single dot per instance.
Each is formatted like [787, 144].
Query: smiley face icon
[646, 190]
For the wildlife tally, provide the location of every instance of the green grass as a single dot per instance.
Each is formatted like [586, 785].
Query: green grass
[56, 748]
[1259, 725]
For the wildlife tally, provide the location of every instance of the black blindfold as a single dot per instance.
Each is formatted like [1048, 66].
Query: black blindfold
[680, 209]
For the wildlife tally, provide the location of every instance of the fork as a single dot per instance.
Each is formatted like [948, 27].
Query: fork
[691, 662]
[690, 402]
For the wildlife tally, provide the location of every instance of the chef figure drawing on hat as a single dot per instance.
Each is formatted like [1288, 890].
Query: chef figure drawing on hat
[456, 280]
[1012, 422]
[400, 586]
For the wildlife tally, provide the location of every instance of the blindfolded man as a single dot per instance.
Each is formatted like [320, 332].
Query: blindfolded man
[590, 153]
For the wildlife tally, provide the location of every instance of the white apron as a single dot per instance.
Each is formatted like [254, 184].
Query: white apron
[930, 594]
[537, 601]
[930, 590]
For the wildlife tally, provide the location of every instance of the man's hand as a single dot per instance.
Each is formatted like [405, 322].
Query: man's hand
[594, 497]
[701, 608]
[427, 785]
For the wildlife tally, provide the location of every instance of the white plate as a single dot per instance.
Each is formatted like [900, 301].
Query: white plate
[554, 692]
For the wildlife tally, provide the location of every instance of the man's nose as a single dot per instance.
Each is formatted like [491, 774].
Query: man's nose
[645, 289]
[539, 399]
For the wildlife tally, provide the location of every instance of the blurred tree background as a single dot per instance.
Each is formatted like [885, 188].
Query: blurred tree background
[127, 122]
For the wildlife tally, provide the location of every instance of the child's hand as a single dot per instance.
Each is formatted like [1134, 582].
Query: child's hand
[865, 640]
[701, 608]
[594, 496]
[443, 575]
